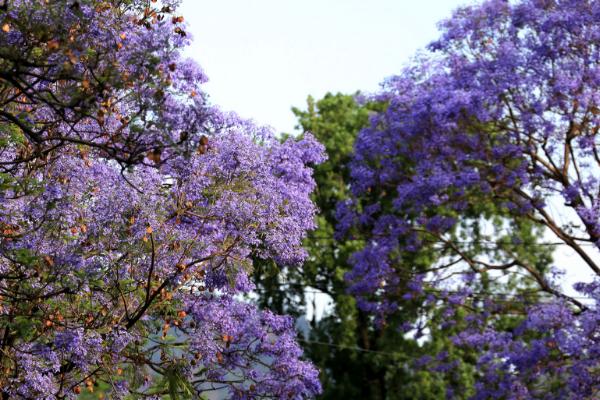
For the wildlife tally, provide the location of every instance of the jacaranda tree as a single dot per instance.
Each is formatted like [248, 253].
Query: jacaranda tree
[130, 212]
[505, 109]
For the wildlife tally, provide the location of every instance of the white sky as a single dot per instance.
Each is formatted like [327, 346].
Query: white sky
[264, 56]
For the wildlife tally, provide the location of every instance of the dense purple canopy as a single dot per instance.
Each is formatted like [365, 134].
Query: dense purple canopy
[131, 210]
[504, 111]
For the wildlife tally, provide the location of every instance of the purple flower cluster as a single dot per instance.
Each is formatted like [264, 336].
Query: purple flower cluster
[257, 348]
[551, 354]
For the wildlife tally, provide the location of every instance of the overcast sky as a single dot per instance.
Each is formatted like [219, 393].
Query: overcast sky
[265, 56]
